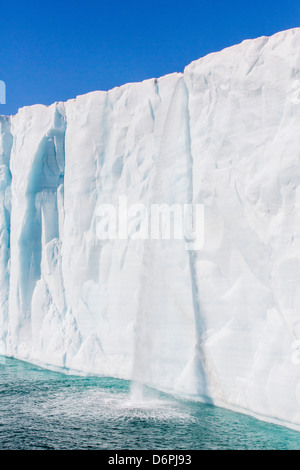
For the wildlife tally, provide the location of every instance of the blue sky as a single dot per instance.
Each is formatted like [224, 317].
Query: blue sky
[52, 51]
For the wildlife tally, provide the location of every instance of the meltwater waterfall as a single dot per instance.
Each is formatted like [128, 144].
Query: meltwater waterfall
[163, 307]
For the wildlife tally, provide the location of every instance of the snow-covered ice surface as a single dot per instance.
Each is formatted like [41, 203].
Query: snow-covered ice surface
[220, 324]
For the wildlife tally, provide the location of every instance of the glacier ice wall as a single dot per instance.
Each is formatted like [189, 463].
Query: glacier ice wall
[220, 324]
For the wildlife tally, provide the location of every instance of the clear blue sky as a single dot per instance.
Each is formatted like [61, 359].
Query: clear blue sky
[55, 50]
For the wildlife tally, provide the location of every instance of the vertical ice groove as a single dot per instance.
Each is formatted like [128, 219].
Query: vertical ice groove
[5, 209]
[205, 374]
[34, 204]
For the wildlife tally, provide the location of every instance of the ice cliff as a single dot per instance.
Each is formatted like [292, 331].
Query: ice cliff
[221, 324]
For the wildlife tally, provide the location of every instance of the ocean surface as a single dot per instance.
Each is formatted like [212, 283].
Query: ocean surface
[41, 409]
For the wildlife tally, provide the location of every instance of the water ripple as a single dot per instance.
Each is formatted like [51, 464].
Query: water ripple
[41, 409]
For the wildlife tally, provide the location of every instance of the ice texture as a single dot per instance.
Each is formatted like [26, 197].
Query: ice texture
[221, 324]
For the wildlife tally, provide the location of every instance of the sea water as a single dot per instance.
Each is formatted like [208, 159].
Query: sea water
[41, 409]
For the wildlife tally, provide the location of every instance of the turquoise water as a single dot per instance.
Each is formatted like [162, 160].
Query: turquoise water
[40, 409]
